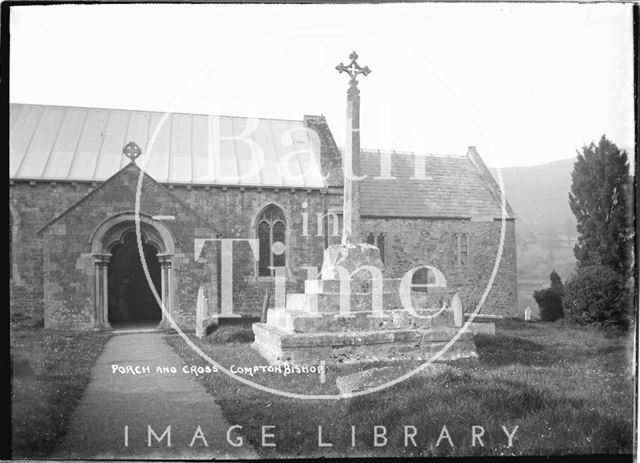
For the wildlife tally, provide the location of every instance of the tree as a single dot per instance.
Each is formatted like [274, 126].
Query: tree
[601, 200]
[556, 283]
[550, 299]
[598, 295]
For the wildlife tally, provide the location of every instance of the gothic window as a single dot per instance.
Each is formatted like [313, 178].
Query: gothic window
[271, 231]
[460, 249]
[377, 241]
[421, 278]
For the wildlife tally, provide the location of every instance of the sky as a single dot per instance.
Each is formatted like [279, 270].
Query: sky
[526, 84]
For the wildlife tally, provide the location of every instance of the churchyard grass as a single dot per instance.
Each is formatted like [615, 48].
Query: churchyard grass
[50, 370]
[568, 389]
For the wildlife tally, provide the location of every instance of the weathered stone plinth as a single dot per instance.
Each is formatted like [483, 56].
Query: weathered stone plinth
[307, 332]
[279, 346]
[375, 326]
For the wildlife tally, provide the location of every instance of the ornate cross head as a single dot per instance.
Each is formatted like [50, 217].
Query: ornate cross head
[353, 69]
[132, 151]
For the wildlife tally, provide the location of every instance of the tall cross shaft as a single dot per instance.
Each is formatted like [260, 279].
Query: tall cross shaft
[351, 158]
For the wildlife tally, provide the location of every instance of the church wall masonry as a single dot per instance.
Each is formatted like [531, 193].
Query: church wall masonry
[32, 205]
[53, 273]
[408, 242]
[239, 208]
[69, 270]
[231, 209]
[413, 242]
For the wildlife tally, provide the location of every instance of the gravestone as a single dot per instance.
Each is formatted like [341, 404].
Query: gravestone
[458, 311]
[201, 313]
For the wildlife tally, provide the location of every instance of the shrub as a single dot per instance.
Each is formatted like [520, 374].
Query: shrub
[598, 295]
[550, 299]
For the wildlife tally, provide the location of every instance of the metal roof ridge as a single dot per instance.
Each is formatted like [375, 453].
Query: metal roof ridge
[55, 140]
[154, 111]
[28, 146]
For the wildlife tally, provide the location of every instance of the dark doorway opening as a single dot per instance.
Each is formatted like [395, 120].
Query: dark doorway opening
[130, 297]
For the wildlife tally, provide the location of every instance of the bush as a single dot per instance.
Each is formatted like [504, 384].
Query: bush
[598, 295]
[550, 299]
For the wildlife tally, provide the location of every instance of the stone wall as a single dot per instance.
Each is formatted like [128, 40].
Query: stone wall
[232, 211]
[412, 242]
[31, 206]
[68, 267]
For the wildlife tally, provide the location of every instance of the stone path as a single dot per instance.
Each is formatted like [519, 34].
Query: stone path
[156, 400]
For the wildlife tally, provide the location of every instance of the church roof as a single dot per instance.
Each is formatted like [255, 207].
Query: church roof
[451, 187]
[60, 143]
[85, 144]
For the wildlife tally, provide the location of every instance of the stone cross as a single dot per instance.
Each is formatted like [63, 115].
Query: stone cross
[132, 151]
[351, 158]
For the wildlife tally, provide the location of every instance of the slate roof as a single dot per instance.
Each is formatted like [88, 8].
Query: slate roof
[452, 187]
[85, 144]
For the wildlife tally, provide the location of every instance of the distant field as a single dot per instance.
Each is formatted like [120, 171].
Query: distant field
[568, 389]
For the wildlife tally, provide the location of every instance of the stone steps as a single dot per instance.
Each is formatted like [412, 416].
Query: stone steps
[304, 322]
[367, 286]
[279, 346]
[358, 302]
[361, 297]
[312, 328]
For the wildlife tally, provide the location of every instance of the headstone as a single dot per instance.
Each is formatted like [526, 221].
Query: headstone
[458, 311]
[527, 314]
[201, 311]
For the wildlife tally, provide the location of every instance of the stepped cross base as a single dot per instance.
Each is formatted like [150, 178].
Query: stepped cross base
[313, 328]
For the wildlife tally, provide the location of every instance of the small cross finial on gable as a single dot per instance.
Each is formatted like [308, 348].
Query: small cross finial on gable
[132, 151]
[353, 69]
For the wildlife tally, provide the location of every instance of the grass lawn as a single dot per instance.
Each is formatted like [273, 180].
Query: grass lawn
[568, 389]
[50, 370]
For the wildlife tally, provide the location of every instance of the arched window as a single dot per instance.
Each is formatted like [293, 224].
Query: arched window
[421, 278]
[271, 231]
[377, 241]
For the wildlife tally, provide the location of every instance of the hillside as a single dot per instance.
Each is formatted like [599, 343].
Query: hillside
[540, 196]
[545, 225]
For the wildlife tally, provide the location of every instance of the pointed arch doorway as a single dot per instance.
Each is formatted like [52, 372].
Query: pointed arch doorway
[123, 294]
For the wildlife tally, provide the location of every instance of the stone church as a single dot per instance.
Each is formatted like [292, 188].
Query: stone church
[95, 232]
